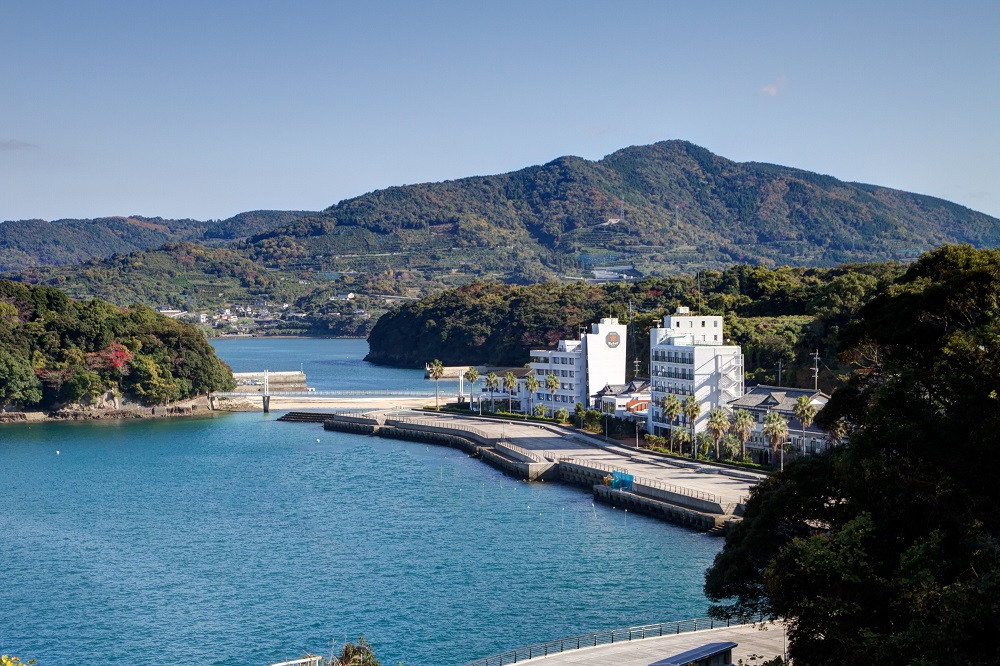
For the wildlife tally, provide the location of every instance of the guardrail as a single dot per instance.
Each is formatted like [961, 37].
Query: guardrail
[652, 483]
[598, 638]
[583, 463]
[374, 393]
[433, 423]
[534, 455]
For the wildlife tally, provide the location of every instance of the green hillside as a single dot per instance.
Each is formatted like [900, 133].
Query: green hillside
[32, 243]
[684, 208]
[55, 351]
[777, 315]
[664, 209]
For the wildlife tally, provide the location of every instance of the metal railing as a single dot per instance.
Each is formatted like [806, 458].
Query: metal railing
[373, 393]
[679, 490]
[638, 480]
[534, 455]
[598, 638]
[433, 423]
[583, 463]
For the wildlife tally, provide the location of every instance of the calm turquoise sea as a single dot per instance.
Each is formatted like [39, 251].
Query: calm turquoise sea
[241, 540]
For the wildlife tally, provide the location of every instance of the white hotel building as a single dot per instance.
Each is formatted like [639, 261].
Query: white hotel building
[583, 367]
[687, 357]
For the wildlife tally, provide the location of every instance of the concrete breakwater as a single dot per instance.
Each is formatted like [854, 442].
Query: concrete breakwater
[695, 510]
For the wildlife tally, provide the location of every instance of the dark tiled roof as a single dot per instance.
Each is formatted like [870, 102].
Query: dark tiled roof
[777, 398]
[637, 385]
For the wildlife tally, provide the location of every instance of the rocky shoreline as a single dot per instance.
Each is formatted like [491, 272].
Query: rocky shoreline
[193, 407]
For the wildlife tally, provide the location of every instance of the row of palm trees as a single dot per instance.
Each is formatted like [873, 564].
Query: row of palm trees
[509, 383]
[741, 424]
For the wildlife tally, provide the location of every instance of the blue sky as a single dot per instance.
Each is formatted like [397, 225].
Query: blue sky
[206, 109]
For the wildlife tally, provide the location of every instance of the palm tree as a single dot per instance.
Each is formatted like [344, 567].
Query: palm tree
[551, 384]
[471, 375]
[672, 410]
[436, 371]
[509, 384]
[804, 411]
[492, 383]
[776, 429]
[743, 426]
[718, 426]
[531, 384]
[692, 410]
[683, 437]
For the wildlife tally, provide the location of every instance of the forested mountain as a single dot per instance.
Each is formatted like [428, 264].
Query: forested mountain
[55, 351]
[29, 243]
[664, 207]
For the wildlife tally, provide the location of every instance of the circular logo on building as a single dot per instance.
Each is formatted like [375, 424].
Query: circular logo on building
[613, 339]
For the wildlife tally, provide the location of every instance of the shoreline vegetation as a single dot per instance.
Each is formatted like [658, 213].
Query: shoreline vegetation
[61, 356]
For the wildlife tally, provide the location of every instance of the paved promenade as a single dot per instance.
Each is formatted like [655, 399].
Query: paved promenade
[570, 443]
[753, 641]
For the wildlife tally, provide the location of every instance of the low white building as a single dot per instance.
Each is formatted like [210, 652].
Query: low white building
[625, 400]
[688, 356]
[583, 367]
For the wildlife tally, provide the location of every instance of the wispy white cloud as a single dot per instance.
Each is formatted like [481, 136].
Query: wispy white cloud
[776, 86]
[14, 144]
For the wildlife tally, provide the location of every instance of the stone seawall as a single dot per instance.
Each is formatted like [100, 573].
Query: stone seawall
[656, 508]
[672, 507]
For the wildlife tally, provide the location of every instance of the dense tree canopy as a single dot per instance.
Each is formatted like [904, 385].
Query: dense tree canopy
[776, 314]
[56, 351]
[887, 550]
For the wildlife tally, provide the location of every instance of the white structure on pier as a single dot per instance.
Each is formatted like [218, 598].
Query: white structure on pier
[583, 367]
[688, 356]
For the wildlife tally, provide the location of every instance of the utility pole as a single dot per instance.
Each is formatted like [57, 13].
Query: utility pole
[815, 357]
[779, 372]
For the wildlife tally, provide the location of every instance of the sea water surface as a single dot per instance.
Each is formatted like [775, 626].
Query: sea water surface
[242, 540]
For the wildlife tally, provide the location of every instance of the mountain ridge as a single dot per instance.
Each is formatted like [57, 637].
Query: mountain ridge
[664, 208]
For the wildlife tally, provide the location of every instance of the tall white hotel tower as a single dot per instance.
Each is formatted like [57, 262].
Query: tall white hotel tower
[687, 357]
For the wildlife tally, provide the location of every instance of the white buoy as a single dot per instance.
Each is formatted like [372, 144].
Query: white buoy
[57, 451]
[317, 439]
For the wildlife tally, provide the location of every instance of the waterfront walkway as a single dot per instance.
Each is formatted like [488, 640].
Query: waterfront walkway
[554, 442]
[761, 640]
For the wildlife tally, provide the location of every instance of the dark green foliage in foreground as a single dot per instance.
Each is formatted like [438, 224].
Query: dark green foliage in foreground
[782, 313]
[56, 351]
[887, 551]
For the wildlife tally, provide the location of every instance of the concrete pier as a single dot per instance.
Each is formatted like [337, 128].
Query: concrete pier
[696, 495]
